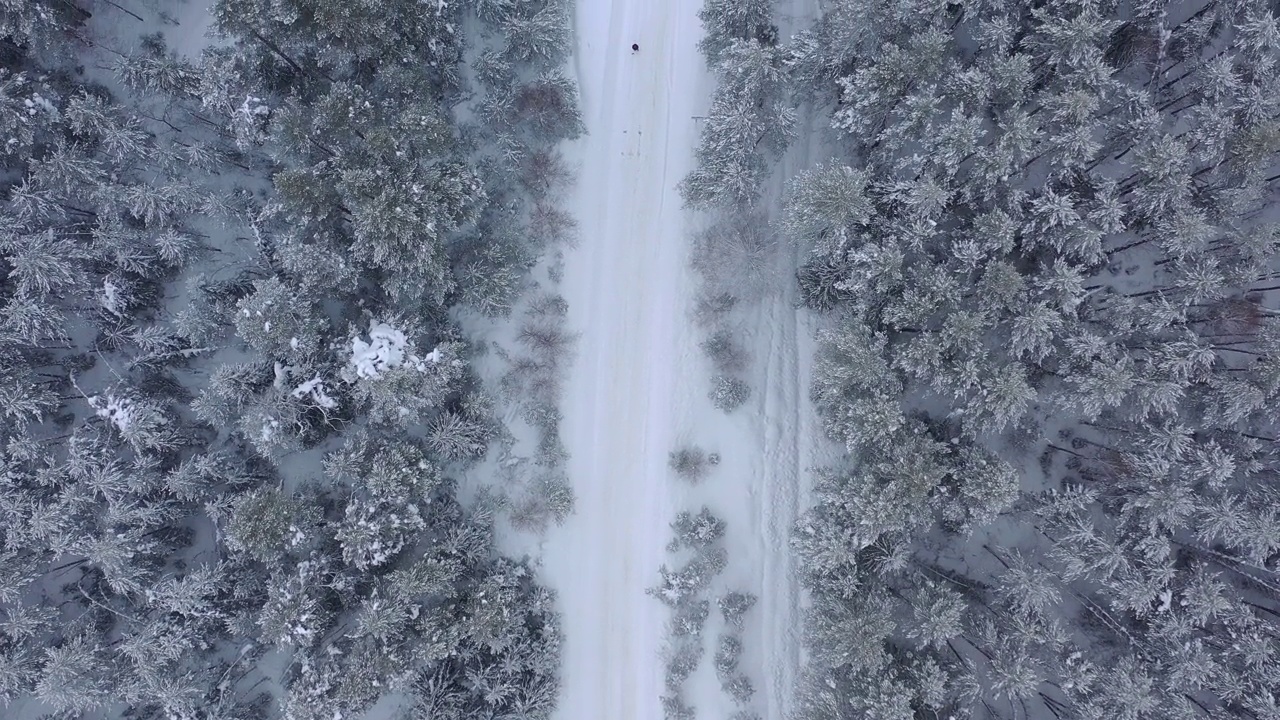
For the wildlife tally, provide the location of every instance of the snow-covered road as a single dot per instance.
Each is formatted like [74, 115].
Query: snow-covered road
[638, 387]
[625, 287]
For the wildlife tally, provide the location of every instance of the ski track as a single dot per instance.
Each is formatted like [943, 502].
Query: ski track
[787, 431]
[638, 387]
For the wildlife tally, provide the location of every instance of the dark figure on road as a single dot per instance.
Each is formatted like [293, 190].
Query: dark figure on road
[635, 47]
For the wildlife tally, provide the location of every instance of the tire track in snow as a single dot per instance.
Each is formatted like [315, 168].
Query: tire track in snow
[777, 508]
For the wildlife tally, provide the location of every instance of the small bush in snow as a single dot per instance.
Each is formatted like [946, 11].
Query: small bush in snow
[545, 337]
[736, 255]
[530, 378]
[548, 106]
[551, 451]
[266, 524]
[374, 530]
[710, 308]
[728, 393]
[548, 500]
[690, 462]
[542, 415]
[392, 382]
[734, 605]
[728, 651]
[551, 226]
[679, 586]
[674, 708]
[689, 618]
[548, 305]
[681, 663]
[696, 531]
[137, 420]
[739, 688]
[555, 270]
[294, 614]
[820, 284]
[724, 353]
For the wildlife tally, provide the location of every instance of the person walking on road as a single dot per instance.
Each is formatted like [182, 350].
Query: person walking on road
[635, 47]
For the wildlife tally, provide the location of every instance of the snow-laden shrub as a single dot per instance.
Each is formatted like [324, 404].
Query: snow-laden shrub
[696, 531]
[190, 595]
[278, 322]
[72, 680]
[735, 604]
[267, 525]
[690, 463]
[689, 618]
[679, 586]
[544, 172]
[551, 227]
[456, 437]
[137, 420]
[548, 499]
[674, 708]
[682, 659]
[736, 256]
[724, 352]
[728, 652]
[295, 614]
[391, 485]
[274, 425]
[728, 393]
[821, 283]
[738, 687]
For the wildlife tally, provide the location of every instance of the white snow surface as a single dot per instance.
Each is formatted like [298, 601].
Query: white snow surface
[386, 349]
[639, 384]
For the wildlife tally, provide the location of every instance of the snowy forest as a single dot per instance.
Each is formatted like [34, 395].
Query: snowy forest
[1041, 241]
[235, 396]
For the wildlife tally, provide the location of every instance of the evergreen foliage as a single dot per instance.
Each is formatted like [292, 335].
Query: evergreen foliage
[698, 538]
[219, 276]
[689, 463]
[1044, 250]
[728, 393]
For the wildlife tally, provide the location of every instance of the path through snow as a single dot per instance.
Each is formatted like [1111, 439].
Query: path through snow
[624, 287]
[638, 387]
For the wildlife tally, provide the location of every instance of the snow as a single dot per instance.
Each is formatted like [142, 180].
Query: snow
[638, 388]
[190, 32]
[269, 428]
[118, 411]
[110, 299]
[315, 388]
[384, 350]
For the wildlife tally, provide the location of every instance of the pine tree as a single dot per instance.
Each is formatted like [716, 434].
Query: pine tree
[747, 122]
[295, 613]
[724, 21]
[75, 676]
[538, 33]
[268, 525]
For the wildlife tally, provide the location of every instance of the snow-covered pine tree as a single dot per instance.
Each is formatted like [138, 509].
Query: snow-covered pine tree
[724, 21]
[748, 123]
